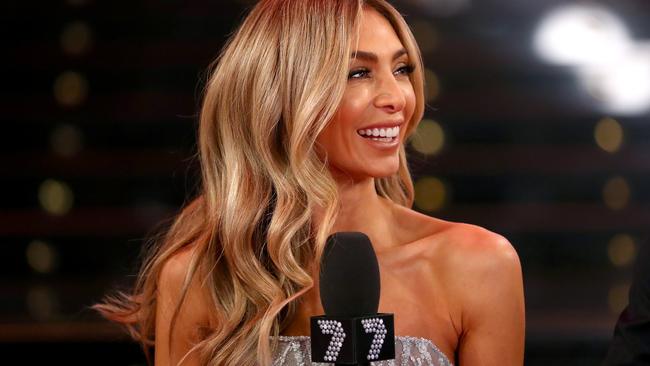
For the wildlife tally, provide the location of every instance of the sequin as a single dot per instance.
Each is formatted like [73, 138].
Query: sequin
[409, 351]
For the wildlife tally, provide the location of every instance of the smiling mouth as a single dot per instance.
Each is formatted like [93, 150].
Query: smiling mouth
[380, 134]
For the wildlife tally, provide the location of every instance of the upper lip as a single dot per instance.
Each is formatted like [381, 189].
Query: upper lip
[383, 124]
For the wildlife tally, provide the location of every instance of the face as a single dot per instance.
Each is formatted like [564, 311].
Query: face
[363, 138]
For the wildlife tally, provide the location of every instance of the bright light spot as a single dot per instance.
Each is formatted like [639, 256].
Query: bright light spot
[430, 194]
[426, 35]
[76, 38]
[55, 197]
[432, 85]
[66, 140]
[581, 35]
[41, 256]
[70, 89]
[429, 138]
[623, 86]
[42, 303]
[609, 134]
[618, 298]
[621, 250]
[616, 193]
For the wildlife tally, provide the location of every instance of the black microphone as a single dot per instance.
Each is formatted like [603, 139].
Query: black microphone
[351, 332]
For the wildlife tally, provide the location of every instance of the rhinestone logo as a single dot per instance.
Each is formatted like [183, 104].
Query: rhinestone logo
[375, 325]
[338, 335]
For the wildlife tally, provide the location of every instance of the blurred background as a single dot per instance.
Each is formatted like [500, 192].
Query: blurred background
[537, 128]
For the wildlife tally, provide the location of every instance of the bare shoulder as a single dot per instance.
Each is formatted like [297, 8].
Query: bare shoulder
[175, 269]
[475, 277]
[181, 310]
[465, 246]
[467, 255]
[485, 289]
[181, 285]
[482, 273]
[476, 248]
[467, 259]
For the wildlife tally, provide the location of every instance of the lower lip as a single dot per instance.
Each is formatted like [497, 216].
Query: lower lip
[389, 145]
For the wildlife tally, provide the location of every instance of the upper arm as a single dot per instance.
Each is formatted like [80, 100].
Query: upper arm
[184, 332]
[492, 297]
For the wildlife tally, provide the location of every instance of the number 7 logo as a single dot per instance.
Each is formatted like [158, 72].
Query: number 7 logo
[338, 335]
[375, 325]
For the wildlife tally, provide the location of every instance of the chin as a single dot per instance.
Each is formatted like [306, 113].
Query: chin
[359, 172]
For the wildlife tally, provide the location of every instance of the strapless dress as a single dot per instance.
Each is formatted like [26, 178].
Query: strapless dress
[409, 351]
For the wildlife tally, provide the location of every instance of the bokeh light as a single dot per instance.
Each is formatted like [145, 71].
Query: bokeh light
[581, 35]
[430, 194]
[432, 85]
[41, 256]
[622, 250]
[616, 193]
[42, 303]
[617, 297]
[55, 197]
[70, 89]
[621, 86]
[609, 134]
[429, 138]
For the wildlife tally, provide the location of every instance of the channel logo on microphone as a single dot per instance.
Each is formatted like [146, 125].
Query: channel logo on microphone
[351, 341]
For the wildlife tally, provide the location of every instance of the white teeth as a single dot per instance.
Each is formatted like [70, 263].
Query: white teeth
[392, 132]
[380, 132]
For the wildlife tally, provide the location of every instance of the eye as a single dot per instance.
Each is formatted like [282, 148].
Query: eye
[358, 73]
[406, 69]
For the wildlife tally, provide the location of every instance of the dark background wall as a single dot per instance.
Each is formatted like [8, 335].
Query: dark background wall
[98, 107]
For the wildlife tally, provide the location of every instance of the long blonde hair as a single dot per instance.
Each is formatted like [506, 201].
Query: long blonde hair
[274, 87]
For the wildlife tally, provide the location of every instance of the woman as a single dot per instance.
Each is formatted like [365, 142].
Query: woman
[302, 135]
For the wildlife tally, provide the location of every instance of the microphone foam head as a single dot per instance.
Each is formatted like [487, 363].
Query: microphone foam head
[349, 278]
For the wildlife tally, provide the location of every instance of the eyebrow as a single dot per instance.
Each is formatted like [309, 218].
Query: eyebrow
[369, 56]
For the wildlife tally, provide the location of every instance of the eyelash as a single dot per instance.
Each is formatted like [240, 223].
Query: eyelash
[408, 69]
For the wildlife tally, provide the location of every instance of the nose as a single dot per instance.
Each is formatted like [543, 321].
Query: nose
[390, 96]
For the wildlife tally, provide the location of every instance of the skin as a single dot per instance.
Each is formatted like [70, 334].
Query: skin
[456, 284]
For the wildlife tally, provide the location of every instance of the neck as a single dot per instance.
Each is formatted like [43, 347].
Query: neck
[362, 209]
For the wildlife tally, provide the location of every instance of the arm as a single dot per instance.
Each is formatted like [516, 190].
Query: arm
[492, 302]
[192, 314]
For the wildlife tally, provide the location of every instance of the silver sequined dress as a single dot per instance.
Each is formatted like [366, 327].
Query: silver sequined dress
[409, 351]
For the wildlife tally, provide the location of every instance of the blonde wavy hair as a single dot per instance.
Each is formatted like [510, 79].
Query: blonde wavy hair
[274, 87]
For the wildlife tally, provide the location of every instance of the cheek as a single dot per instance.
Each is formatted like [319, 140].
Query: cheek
[348, 115]
[352, 106]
